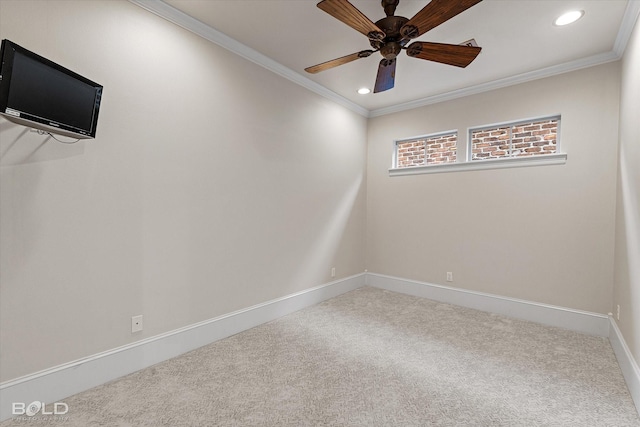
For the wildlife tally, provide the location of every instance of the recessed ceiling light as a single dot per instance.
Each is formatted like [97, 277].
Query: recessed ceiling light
[569, 18]
[364, 91]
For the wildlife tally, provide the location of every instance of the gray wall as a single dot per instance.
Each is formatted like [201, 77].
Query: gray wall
[627, 254]
[212, 185]
[542, 233]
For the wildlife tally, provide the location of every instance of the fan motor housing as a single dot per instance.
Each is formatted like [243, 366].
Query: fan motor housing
[391, 45]
[391, 26]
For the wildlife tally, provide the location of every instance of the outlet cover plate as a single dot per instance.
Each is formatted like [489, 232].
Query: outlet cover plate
[136, 323]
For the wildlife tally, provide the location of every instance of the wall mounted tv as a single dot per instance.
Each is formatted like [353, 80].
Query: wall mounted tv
[41, 94]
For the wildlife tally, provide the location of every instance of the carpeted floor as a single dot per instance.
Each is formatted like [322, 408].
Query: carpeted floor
[374, 358]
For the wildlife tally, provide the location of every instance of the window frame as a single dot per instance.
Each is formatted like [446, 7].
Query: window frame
[463, 158]
[510, 125]
[394, 160]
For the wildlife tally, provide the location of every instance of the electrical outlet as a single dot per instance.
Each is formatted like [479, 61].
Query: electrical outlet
[449, 276]
[136, 323]
[618, 312]
[333, 272]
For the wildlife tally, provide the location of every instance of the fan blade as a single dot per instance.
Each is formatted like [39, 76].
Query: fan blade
[338, 61]
[344, 11]
[434, 14]
[386, 75]
[451, 54]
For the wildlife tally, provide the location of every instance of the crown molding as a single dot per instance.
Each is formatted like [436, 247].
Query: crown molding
[497, 84]
[189, 23]
[629, 19]
[624, 34]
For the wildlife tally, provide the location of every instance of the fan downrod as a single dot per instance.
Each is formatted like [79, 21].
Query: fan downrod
[390, 6]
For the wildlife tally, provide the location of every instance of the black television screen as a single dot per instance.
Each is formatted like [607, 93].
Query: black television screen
[39, 93]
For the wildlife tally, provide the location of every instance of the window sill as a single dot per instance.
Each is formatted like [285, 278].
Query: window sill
[515, 162]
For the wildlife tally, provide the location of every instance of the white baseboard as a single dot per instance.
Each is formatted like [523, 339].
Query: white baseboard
[53, 385]
[627, 363]
[576, 320]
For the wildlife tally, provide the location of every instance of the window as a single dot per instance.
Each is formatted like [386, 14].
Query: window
[426, 150]
[522, 143]
[518, 139]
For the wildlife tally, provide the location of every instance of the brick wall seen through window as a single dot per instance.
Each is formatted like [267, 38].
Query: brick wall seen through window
[427, 150]
[521, 139]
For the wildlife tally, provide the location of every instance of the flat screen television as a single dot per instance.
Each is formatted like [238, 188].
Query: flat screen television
[41, 94]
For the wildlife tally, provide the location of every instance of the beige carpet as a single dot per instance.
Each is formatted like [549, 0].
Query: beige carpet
[374, 358]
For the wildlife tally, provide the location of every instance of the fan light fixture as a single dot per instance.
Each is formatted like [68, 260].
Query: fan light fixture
[364, 90]
[569, 18]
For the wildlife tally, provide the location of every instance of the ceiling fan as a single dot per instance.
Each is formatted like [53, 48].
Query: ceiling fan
[390, 35]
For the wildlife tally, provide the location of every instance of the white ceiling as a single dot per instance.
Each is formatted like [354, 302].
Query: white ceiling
[518, 40]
